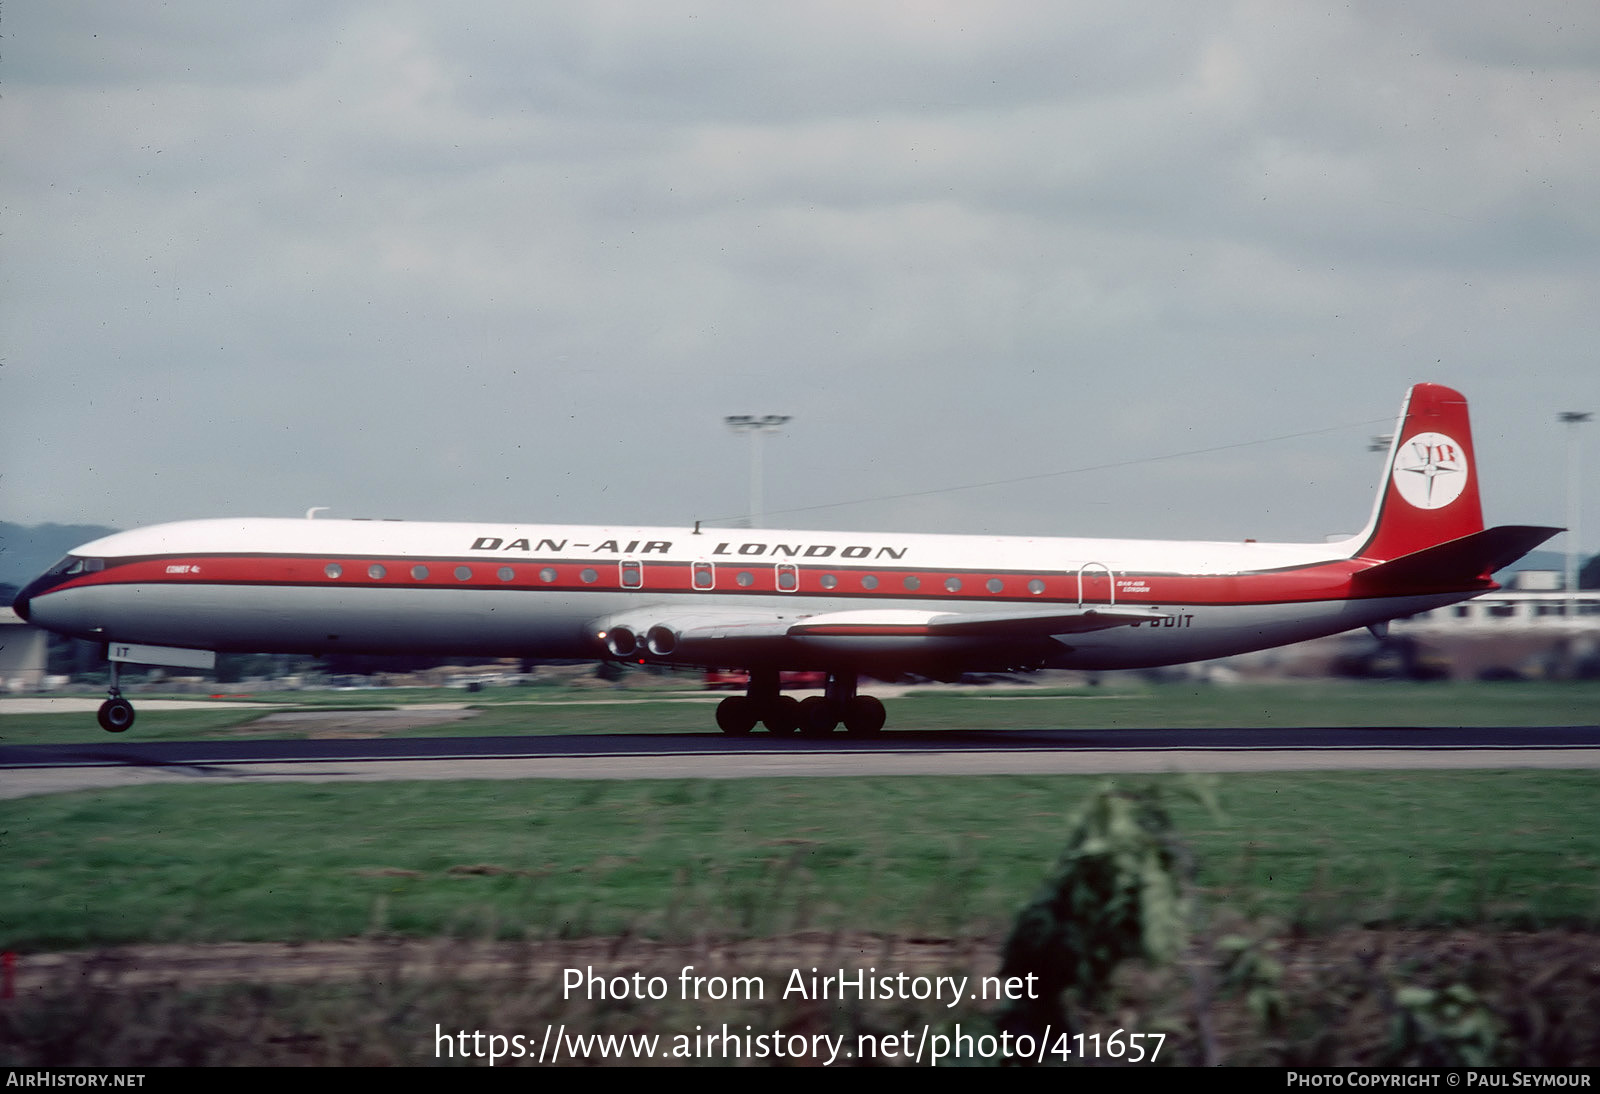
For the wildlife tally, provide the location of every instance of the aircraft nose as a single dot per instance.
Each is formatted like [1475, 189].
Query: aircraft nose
[22, 604]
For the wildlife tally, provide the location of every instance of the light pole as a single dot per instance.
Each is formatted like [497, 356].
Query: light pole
[755, 426]
[1573, 418]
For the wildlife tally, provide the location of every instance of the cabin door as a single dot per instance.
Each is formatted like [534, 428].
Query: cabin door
[1096, 586]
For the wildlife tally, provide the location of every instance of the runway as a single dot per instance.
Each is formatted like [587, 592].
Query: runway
[45, 769]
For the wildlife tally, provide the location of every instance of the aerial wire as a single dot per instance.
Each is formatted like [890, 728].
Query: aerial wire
[1069, 471]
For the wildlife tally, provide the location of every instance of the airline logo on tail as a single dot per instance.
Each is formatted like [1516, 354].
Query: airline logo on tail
[1430, 470]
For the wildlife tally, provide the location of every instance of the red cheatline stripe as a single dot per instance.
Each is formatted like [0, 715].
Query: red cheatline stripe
[1323, 581]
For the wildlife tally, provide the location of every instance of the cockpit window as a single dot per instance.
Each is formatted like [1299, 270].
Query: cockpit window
[72, 565]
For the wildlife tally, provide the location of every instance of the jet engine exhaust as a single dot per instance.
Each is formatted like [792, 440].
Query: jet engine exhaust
[661, 640]
[622, 642]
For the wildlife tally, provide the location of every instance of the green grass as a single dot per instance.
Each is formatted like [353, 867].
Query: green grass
[505, 718]
[1267, 705]
[687, 858]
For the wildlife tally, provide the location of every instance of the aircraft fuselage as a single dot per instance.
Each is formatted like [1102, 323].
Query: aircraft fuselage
[295, 586]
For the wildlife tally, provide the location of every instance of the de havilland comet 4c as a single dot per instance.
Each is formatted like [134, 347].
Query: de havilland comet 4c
[843, 603]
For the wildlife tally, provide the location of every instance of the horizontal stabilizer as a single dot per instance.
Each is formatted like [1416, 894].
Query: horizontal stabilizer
[1457, 564]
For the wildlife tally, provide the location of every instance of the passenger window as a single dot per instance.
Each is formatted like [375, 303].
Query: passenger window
[704, 575]
[788, 577]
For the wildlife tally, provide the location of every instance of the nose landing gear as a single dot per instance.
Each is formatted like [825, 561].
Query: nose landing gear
[116, 713]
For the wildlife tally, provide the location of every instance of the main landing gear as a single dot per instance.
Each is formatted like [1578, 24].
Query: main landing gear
[116, 713]
[817, 716]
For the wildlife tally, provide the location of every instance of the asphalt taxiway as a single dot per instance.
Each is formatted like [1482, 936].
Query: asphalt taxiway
[54, 768]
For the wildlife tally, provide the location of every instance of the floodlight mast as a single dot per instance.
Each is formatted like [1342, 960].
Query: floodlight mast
[755, 426]
[1573, 419]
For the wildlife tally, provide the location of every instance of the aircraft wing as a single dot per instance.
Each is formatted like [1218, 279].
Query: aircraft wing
[999, 625]
[735, 638]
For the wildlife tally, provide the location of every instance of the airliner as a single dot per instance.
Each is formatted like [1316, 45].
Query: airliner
[843, 603]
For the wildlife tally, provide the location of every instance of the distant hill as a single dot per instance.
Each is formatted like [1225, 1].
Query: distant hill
[26, 551]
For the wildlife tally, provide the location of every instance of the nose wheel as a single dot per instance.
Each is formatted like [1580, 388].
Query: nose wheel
[116, 713]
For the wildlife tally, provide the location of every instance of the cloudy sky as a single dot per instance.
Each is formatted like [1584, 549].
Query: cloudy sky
[516, 261]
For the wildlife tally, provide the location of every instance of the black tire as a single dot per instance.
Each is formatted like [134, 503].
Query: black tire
[115, 715]
[817, 717]
[736, 716]
[864, 716]
[783, 717]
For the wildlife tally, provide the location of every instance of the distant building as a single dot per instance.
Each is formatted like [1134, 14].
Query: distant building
[1507, 610]
[22, 653]
[1512, 633]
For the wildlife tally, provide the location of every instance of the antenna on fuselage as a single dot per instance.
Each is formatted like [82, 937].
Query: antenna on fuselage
[311, 514]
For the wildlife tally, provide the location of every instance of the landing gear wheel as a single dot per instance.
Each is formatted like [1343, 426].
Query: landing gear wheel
[817, 717]
[783, 717]
[864, 716]
[116, 715]
[736, 716]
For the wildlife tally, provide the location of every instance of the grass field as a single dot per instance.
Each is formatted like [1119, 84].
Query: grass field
[672, 859]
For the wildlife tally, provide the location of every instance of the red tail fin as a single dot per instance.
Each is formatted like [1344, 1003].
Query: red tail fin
[1429, 494]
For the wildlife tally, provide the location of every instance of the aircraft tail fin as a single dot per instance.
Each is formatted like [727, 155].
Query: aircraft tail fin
[1429, 492]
